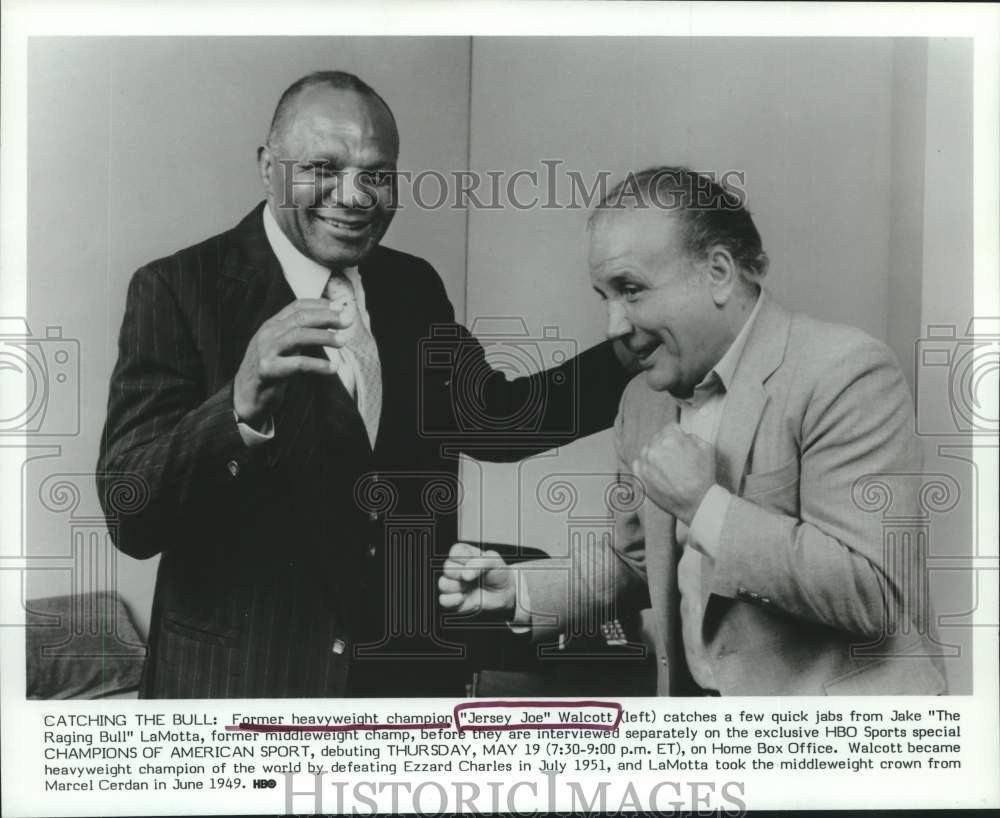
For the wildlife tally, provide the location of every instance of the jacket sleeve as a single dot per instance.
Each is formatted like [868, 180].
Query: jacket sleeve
[555, 394]
[828, 564]
[171, 458]
[595, 580]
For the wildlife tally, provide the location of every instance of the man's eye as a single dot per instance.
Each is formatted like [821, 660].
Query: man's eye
[631, 293]
[318, 169]
[379, 178]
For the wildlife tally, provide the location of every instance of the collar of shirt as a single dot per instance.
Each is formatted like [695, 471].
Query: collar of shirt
[306, 278]
[721, 377]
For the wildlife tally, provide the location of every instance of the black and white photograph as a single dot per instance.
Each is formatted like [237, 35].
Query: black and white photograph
[493, 368]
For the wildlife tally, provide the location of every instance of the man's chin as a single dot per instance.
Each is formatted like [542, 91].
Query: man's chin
[663, 382]
[342, 254]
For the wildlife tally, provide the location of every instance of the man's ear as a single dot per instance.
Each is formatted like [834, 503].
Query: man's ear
[722, 271]
[265, 166]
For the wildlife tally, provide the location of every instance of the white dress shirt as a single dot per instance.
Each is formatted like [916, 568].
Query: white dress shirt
[701, 415]
[307, 279]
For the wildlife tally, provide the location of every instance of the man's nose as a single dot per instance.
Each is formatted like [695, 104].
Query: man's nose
[618, 323]
[354, 190]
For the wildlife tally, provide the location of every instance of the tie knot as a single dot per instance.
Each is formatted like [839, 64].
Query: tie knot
[339, 291]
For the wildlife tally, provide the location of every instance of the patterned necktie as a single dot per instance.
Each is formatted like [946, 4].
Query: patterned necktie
[360, 369]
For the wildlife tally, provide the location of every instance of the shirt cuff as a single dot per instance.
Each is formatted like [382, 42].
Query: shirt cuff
[705, 532]
[521, 623]
[251, 437]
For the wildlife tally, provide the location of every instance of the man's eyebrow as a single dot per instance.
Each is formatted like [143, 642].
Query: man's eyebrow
[338, 160]
[617, 279]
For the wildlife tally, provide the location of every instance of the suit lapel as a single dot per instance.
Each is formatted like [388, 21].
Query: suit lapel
[747, 397]
[744, 408]
[662, 552]
[252, 288]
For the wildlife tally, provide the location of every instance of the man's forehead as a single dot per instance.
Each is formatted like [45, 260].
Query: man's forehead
[323, 117]
[632, 230]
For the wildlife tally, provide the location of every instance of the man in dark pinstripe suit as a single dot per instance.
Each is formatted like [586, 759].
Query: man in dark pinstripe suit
[297, 527]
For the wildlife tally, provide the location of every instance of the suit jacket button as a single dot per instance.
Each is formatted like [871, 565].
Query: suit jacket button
[371, 550]
[339, 645]
[234, 468]
[373, 516]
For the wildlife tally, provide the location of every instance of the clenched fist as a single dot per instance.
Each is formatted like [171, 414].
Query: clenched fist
[677, 470]
[476, 580]
[275, 354]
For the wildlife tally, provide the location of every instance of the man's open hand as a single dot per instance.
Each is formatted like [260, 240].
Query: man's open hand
[476, 580]
[677, 470]
[275, 354]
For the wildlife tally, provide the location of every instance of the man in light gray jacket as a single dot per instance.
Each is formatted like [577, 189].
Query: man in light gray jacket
[752, 435]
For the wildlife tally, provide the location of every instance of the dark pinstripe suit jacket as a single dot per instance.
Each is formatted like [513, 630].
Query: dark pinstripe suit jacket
[303, 568]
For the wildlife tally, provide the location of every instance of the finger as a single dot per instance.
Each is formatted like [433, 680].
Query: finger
[474, 567]
[645, 471]
[302, 337]
[699, 441]
[639, 469]
[491, 560]
[285, 366]
[461, 551]
[473, 603]
[322, 317]
[453, 601]
[460, 571]
[672, 431]
[300, 304]
[448, 585]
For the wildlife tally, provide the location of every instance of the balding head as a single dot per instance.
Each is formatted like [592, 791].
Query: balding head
[332, 80]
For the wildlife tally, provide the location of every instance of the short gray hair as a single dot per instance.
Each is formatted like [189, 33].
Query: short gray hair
[708, 213]
[337, 80]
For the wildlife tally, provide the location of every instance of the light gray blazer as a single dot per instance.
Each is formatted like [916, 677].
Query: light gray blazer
[808, 594]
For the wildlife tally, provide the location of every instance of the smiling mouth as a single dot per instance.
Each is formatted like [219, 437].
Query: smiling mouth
[345, 225]
[645, 353]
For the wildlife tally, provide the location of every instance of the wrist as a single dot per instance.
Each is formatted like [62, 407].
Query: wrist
[255, 421]
[691, 510]
[519, 606]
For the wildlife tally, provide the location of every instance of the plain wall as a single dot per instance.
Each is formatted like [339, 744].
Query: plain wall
[141, 146]
[956, 567]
